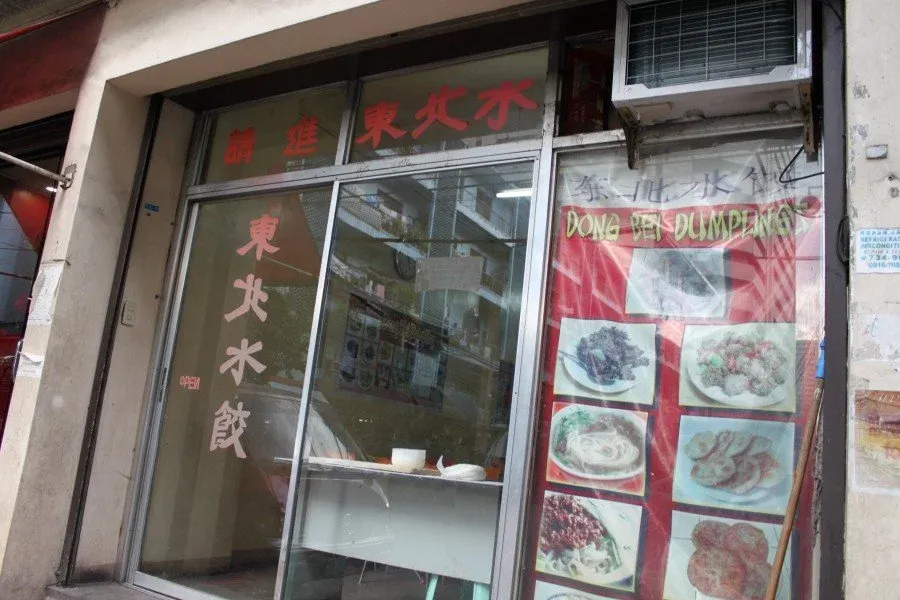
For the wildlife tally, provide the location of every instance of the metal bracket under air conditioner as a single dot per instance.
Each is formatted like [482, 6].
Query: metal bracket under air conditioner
[809, 122]
[632, 129]
[64, 179]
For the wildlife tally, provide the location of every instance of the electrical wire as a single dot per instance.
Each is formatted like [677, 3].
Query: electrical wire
[787, 167]
[842, 243]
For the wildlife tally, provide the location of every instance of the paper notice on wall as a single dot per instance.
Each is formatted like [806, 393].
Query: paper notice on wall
[878, 251]
[452, 273]
[44, 293]
[425, 370]
[30, 365]
[876, 442]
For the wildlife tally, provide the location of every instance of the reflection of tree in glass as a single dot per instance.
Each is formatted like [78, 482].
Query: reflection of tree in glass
[285, 333]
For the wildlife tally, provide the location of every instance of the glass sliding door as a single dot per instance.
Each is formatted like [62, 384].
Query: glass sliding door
[222, 470]
[403, 459]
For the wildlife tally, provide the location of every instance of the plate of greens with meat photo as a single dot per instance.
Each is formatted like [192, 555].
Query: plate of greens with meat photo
[606, 360]
[593, 442]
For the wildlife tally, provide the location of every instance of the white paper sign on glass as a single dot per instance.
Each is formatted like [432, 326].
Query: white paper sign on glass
[451, 273]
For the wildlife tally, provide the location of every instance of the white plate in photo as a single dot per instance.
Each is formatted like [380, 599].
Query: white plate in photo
[686, 282]
[734, 463]
[550, 591]
[609, 444]
[621, 523]
[770, 352]
[639, 338]
[690, 533]
[777, 476]
[726, 497]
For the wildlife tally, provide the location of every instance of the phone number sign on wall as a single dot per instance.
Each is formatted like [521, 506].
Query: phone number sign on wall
[878, 251]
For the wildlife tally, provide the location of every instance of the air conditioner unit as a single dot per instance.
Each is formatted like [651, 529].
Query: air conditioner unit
[689, 59]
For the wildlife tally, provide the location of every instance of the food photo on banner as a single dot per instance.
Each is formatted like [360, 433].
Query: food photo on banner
[684, 313]
[589, 540]
[549, 591]
[743, 464]
[598, 447]
[604, 360]
[714, 557]
[748, 366]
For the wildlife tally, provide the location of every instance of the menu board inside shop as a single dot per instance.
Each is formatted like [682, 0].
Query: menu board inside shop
[390, 355]
[684, 319]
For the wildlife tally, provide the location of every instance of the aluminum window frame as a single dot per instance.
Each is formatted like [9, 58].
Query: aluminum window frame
[352, 107]
[507, 576]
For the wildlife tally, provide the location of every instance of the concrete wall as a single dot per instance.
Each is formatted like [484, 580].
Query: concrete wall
[152, 46]
[873, 531]
[39, 456]
[144, 47]
[111, 474]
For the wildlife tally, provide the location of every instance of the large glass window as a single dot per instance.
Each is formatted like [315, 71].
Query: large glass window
[416, 356]
[475, 103]
[684, 318]
[222, 470]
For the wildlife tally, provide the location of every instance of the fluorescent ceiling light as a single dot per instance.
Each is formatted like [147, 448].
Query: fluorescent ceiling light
[515, 193]
[50, 189]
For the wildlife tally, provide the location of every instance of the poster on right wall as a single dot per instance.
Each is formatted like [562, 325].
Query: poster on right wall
[684, 315]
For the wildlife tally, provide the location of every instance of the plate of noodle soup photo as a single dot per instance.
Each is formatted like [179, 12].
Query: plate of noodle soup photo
[597, 443]
[589, 540]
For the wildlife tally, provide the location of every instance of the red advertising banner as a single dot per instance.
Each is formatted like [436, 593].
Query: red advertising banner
[684, 315]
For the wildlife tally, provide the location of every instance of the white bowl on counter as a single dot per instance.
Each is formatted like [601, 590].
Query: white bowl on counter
[408, 458]
[464, 473]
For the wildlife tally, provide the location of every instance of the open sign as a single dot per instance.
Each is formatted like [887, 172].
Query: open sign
[189, 383]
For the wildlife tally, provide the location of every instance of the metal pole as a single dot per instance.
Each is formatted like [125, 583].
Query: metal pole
[64, 181]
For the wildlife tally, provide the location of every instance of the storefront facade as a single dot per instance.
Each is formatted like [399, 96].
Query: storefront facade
[603, 337]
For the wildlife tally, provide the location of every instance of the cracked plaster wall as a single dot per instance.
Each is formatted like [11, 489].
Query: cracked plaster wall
[873, 529]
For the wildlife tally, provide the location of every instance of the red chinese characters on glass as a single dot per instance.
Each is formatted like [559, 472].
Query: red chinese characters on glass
[501, 97]
[240, 146]
[435, 110]
[303, 137]
[379, 119]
